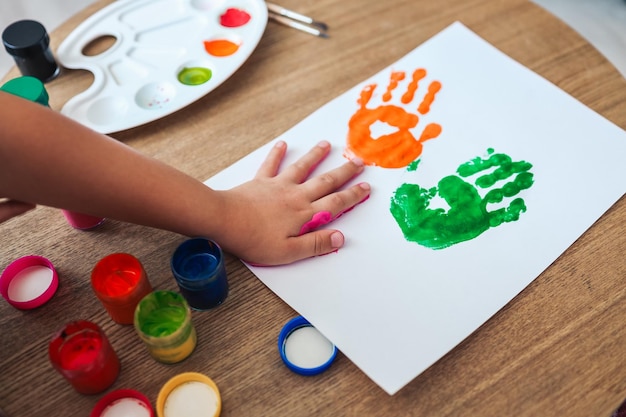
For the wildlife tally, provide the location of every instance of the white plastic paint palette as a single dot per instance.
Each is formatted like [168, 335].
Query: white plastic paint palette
[166, 55]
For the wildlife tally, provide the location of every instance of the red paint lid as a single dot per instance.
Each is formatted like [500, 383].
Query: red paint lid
[123, 403]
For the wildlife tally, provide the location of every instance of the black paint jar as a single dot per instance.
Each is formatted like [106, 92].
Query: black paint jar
[29, 44]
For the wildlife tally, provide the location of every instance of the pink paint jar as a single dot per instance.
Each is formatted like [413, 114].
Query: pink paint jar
[82, 221]
[33, 89]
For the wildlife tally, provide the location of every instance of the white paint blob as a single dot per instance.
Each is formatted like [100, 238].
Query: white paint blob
[126, 407]
[191, 399]
[30, 283]
[307, 348]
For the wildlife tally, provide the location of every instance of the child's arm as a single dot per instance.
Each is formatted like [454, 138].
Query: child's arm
[12, 208]
[46, 158]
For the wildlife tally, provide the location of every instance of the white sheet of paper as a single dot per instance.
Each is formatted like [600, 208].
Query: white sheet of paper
[395, 307]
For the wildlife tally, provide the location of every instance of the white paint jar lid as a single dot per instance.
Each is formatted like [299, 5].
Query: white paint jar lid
[303, 349]
[28, 282]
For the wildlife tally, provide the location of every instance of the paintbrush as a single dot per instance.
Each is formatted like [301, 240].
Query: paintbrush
[297, 21]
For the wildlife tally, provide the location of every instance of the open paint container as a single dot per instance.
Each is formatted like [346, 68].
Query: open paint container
[304, 349]
[123, 403]
[29, 282]
[189, 394]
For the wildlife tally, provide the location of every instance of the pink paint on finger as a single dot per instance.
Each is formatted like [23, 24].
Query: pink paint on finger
[319, 219]
[324, 217]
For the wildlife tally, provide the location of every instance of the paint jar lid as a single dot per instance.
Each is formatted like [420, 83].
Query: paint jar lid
[27, 87]
[189, 394]
[123, 403]
[304, 349]
[29, 282]
[25, 38]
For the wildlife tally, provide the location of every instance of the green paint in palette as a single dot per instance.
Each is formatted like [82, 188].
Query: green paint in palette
[194, 75]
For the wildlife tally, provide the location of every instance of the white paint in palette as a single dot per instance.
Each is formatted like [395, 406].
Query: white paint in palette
[191, 399]
[30, 283]
[126, 407]
[307, 348]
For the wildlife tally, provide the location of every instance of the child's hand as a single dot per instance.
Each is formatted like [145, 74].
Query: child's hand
[271, 219]
[12, 208]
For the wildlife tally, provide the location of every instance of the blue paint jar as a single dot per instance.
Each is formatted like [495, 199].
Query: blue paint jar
[199, 270]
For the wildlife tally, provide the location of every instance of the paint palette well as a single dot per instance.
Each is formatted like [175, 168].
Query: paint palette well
[166, 54]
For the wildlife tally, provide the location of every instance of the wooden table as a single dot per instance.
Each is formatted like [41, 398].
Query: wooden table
[556, 349]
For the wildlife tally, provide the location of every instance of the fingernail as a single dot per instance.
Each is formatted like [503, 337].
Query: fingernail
[336, 240]
[280, 144]
[357, 161]
[324, 144]
[365, 186]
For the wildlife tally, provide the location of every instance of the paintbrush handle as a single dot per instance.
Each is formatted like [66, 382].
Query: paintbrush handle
[290, 14]
[296, 25]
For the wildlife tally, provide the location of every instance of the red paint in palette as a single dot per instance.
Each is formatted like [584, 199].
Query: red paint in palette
[233, 18]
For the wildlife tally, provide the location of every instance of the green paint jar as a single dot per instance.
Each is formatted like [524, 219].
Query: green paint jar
[163, 323]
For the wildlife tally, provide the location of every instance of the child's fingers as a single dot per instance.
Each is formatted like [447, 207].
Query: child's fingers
[300, 170]
[329, 182]
[269, 167]
[316, 243]
[339, 202]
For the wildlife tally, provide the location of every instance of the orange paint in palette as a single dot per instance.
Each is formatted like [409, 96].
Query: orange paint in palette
[220, 47]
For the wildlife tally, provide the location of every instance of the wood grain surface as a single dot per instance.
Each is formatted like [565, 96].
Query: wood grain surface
[556, 349]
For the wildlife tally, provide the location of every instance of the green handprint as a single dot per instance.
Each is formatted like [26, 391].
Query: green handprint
[467, 216]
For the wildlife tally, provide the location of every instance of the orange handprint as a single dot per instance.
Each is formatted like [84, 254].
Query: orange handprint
[399, 148]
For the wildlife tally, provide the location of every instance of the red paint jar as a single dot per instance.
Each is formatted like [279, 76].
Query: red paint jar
[120, 282]
[83, 355]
